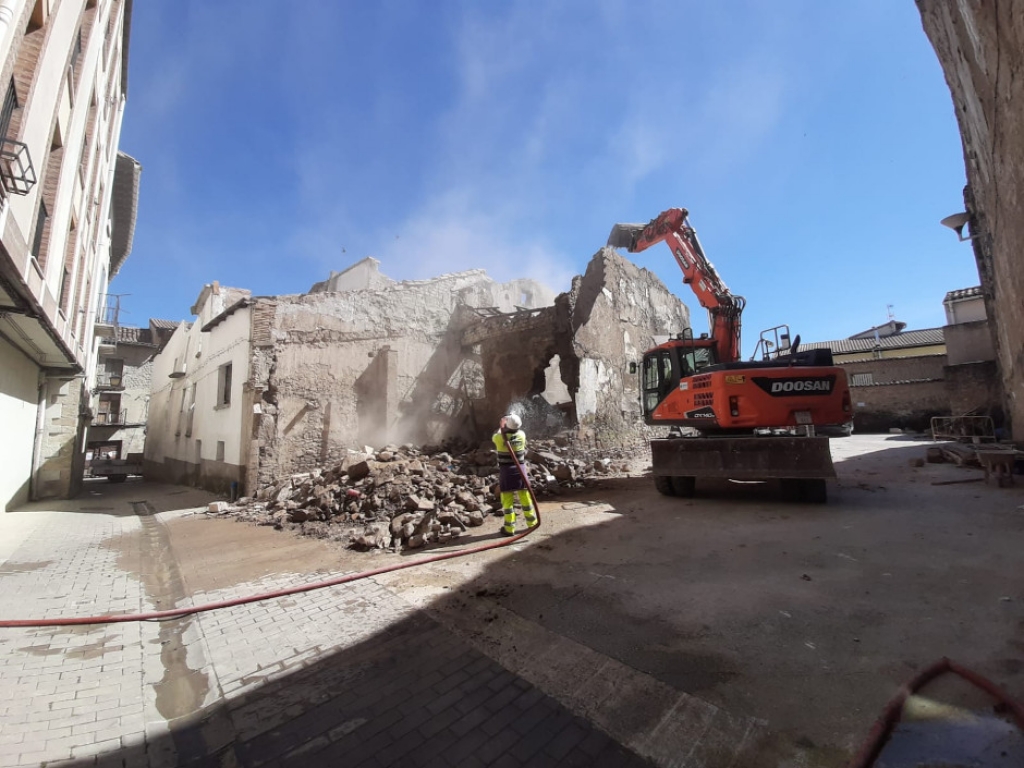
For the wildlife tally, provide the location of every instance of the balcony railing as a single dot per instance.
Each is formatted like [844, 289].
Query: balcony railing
[103, 419]
[106, 316]
[109, 381]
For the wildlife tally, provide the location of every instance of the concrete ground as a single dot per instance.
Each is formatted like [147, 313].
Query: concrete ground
[733, 629]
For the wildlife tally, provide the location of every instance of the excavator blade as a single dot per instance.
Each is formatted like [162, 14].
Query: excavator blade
[744, 458]
[624, 235]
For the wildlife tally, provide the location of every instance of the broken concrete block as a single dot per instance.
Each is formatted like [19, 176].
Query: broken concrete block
[298, 515]
[217, 507]
[418, 503]
[359, 470]
[398, 521]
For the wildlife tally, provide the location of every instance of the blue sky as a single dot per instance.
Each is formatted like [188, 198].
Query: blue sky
[814, 144]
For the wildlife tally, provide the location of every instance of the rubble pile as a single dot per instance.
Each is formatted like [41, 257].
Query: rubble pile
[404, 497]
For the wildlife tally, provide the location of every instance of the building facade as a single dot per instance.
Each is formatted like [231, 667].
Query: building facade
[260, 387]
[120, 392]
[67, 217]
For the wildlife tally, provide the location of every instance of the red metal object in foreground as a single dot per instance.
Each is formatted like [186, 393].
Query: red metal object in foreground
[890, 716]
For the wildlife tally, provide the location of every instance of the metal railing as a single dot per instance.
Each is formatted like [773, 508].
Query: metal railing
[109, 381]
[107, 315]
[975, 429]
[102, 418]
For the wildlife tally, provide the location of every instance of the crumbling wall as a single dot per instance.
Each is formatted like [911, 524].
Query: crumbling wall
[613, 313]
[374, 367]
[981, 48]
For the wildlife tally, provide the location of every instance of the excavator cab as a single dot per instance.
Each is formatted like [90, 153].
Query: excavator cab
[665, 366]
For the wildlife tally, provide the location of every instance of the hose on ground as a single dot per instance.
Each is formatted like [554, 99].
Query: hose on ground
[175, 613]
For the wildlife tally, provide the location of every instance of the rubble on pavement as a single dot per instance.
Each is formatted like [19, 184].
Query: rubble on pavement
[404, 497]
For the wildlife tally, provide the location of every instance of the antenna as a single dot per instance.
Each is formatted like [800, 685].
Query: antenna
[889, 308]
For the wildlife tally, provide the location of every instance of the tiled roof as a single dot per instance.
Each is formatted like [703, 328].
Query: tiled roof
[896, 383]
[905, 340]
[168, 324]
[963, 293]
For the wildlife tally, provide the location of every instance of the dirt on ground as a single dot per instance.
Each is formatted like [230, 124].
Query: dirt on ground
[807, 617]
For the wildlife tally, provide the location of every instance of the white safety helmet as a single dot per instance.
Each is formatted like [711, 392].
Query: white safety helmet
[513, 422]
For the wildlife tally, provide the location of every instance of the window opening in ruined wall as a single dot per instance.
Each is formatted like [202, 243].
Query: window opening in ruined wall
[220, 450]
[224, 386]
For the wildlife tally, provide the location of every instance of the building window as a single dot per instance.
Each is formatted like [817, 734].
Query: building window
[10, 104]
[191, 412]
[220, 450]
[224, 385]
[42, 216]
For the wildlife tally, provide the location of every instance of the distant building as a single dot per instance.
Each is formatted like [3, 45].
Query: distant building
[901, 378]
[67, 218]
[121, 388]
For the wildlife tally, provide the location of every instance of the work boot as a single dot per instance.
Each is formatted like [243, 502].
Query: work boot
[506, 532]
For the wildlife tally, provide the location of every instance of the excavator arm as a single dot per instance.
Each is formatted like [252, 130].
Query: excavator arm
[673, 227]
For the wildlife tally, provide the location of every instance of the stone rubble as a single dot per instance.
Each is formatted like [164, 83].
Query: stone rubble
[407, 497]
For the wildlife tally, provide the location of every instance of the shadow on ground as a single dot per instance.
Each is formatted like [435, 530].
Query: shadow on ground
[806, 617]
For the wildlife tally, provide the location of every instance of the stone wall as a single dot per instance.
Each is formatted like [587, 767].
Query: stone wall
[614, 312]
[981, 48]
[969, 342]
[422, 361]
[904, 392]
[974, 389]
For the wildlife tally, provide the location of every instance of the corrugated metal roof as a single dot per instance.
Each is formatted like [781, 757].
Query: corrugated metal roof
[963, 293]
[169, 325]
[907, 339]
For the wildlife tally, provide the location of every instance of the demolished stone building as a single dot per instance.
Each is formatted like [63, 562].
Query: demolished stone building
[266, 386]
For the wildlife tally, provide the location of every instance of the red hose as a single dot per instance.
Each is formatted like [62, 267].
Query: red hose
[882, 728]
[178, 612]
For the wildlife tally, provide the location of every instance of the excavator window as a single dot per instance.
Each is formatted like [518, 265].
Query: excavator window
[658, 379]
[694, 360]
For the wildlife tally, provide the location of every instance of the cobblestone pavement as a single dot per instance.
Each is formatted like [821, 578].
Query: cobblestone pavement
[346, 676]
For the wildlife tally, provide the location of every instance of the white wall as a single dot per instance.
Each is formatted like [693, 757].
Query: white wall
[18, 396]
[203, 355]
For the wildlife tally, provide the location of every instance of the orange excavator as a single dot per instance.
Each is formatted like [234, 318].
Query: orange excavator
[743, 420]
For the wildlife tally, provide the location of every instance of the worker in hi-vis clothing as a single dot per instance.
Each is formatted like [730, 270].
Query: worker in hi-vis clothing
[511, 482]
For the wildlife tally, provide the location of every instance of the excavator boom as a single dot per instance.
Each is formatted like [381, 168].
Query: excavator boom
[673, 228]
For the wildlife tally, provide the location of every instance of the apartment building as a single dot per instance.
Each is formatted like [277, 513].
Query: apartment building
[67, 217]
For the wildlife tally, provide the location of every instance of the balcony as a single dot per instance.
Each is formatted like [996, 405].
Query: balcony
[107, 419]
[106, 323]
[109, 381]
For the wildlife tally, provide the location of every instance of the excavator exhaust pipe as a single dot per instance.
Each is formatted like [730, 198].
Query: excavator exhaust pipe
[624, 235]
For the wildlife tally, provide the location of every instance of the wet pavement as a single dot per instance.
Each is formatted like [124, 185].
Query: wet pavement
[349, 675]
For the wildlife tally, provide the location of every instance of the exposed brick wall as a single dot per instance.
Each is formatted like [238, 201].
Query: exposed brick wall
[906, 392]
[908, 406]
[974, 389]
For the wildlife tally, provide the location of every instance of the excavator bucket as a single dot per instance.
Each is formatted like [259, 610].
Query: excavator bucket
[624, 235]
[744, 458]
